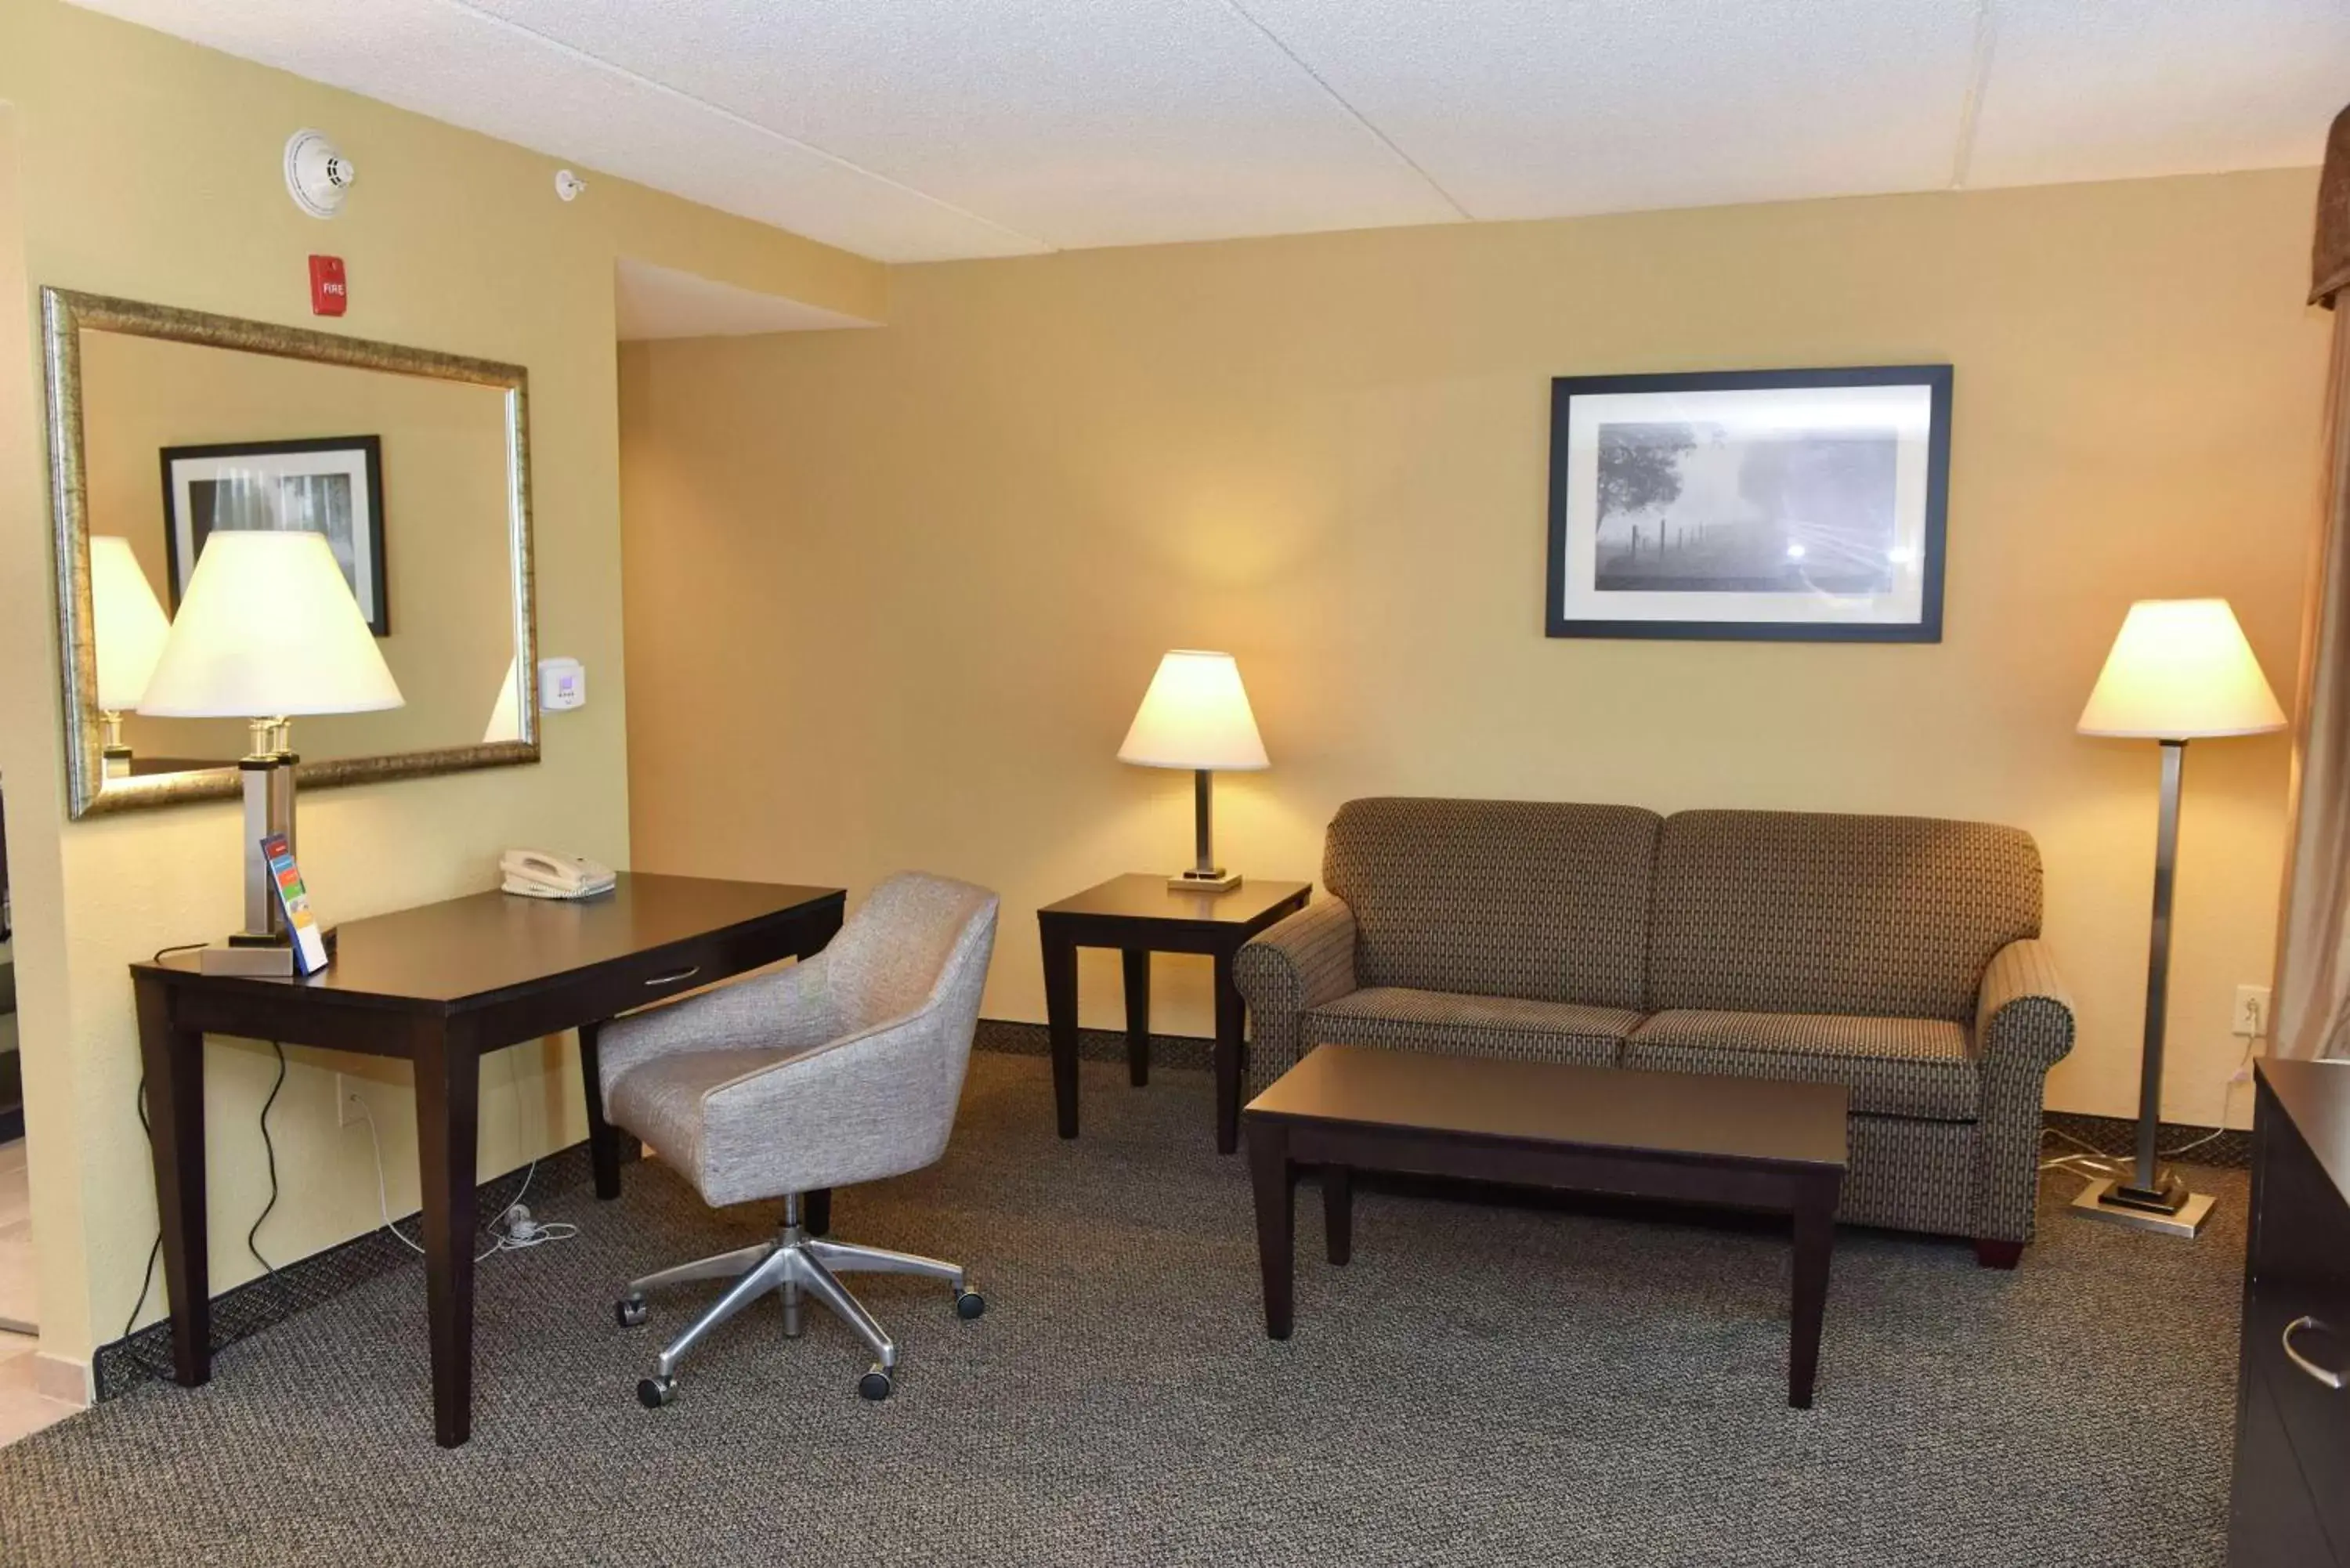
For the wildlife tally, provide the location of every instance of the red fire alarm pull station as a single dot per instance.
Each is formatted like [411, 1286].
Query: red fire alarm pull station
[328, 293]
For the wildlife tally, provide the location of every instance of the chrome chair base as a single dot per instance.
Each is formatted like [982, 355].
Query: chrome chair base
[797, 1266]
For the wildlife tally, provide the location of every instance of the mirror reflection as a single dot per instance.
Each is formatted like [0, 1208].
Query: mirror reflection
[413, 475]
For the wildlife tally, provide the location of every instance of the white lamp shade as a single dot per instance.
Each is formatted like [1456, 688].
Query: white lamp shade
[2181, 669]
[268, 628]
[1195, 715]
[127, 623]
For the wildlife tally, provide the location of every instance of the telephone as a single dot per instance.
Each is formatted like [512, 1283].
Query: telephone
[535, 874]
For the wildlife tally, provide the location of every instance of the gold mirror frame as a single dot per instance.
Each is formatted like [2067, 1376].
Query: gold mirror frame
[65, 315]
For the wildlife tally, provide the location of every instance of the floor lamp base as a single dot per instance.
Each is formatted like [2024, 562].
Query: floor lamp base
[2184, 1222]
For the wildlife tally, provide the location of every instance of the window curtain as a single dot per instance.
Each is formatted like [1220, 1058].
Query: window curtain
[2312, 980]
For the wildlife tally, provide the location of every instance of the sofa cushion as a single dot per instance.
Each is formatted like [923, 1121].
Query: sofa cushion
[1494, 897]
[1894, 1067]
[1765, 911]
[1459, 1025]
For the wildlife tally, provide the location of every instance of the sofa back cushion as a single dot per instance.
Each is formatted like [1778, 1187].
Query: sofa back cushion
[1497, 897]
[1775, 911]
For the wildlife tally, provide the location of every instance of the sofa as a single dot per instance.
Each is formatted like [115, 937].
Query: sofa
[1897, 956]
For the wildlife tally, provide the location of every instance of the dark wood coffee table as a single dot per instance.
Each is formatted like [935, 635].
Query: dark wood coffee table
[1739, 1143]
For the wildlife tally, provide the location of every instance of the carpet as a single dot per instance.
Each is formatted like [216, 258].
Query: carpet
[1483, 1385]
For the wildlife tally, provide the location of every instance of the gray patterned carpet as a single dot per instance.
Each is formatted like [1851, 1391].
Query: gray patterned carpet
[1482, 1385]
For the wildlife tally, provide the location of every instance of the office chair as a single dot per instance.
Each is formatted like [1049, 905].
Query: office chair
[841, 1069]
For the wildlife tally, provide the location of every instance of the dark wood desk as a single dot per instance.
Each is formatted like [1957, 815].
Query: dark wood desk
[1140, 915]
[1741, 1143]
[443, 986]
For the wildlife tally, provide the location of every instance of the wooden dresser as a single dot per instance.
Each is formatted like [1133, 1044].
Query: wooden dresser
[2292, 1491]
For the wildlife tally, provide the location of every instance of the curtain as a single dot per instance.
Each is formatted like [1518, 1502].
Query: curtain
[2312, 1015]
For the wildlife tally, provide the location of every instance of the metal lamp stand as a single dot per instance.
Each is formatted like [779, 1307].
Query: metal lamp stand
[1205, 875]
[2153, 1198]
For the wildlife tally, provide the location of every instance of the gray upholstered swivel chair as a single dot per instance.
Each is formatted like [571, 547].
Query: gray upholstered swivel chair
[845, 1068]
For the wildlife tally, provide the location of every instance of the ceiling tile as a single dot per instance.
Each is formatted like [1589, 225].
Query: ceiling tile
[2107, 89]
[1534, 107]
[457, 65]
[1113, 123]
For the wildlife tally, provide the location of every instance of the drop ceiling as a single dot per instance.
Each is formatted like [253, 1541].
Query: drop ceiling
[926, 129]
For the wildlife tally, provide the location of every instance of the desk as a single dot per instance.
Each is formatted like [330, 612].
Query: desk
[442, 986]
[1140, 915]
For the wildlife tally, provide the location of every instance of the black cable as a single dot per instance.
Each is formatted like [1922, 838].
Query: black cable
[161, 953]
[146, 1281]
[270, 1148]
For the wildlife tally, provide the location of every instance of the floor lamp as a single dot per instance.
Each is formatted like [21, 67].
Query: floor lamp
[2179, 670]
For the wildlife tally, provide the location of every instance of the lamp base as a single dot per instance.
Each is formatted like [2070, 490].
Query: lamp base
[1215, 881]
[244, 955]
[2175, 1211]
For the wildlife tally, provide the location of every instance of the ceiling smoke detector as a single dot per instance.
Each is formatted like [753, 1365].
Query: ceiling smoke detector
[569, 185]
[316, 175]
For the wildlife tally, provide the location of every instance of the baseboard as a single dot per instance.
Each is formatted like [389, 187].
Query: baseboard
[57, 1378]
[2230, 1146]
[272, 1299]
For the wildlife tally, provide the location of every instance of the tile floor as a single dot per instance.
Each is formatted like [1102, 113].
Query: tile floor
[22, 1411]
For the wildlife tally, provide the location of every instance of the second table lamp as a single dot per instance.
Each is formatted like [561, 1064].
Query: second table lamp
[1196, 715]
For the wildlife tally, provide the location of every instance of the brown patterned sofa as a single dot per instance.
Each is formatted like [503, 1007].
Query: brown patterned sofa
[1898, 956]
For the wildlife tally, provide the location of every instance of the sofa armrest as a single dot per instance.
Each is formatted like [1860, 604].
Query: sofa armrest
[1299, 962]
[2023, 1015]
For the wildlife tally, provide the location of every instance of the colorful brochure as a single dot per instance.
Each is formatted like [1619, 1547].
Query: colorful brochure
[310, 944]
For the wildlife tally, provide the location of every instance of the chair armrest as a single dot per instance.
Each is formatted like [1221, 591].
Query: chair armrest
[1300, 963]
[789, 1008]
[2023, 1015]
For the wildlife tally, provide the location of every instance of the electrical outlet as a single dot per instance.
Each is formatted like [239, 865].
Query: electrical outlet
[2252, 1014]
[347, 1106]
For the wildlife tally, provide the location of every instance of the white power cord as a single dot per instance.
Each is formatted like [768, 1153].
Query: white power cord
[513, 1231]
[2098, 1165]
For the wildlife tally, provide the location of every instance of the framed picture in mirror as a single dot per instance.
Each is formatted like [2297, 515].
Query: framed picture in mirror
[325, 484]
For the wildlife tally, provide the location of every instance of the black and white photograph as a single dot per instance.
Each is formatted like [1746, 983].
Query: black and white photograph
[331, 485]
[1784, 506]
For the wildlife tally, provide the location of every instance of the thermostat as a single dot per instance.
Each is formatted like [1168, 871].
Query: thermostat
[562, 683]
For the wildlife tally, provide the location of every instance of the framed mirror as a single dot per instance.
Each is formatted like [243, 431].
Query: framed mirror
[169, 426]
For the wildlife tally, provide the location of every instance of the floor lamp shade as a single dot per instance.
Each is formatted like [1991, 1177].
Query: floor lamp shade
[127, 623]
[2179, 670]
[1196, 715]
[268, 628]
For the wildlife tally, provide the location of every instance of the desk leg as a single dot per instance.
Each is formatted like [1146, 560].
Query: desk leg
[1230, 1045]
[603, 1138]
[1275, 1182]
[448, 1120]
[174, 1060]
[1138, 1015]
[1061, 1017]
[1815, 1241]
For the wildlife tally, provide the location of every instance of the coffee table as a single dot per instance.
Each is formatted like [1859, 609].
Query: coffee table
[1738, 1143]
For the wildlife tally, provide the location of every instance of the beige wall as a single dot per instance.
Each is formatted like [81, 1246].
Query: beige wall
[893, 595]
[448, 548]
[150, 169]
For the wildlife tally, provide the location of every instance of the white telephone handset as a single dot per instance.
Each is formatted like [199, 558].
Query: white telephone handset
[535, 874]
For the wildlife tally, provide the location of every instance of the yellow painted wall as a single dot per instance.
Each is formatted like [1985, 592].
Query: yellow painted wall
[893, 595]
[150, 169]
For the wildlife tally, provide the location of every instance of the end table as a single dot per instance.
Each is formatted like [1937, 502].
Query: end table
[1140, 915]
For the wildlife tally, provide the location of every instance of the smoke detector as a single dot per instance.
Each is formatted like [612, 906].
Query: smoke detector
[316, 175]
[569, 185]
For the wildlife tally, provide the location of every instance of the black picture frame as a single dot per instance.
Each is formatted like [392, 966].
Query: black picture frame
[181, 545]
[1927, 627]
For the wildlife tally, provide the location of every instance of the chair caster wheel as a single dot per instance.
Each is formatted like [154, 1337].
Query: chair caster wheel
[628, 1311]
[969, 1304]
[653, 1393]
[876, 1383]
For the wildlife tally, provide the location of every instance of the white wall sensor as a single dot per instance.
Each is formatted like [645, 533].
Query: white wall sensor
[317, 176]
[562, 683]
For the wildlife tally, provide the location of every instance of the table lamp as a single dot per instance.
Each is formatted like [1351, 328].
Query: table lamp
[1196, 715]
[2179, 670]
[129, 626]
[267, 630]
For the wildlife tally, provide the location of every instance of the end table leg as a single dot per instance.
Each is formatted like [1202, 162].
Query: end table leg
[1061, 1019]
[1275, 1182]
[1230, 1022]
[1138, 1015]
[1338, 1210]
[1815, 1241]
[174, 1060]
